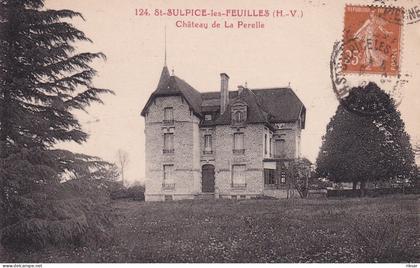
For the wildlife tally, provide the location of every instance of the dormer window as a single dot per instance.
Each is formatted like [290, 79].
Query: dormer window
[239, 113]
[238, 117]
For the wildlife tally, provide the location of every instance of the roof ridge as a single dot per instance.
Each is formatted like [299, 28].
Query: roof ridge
[252, 89]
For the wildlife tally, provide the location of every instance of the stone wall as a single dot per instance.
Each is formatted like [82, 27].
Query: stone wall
[185, 158]
[252, 159]
[291, 133]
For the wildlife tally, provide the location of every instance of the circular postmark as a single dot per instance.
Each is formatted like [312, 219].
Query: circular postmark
[343, 84]
[368, 59]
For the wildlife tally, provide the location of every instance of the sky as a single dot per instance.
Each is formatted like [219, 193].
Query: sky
[289, 50]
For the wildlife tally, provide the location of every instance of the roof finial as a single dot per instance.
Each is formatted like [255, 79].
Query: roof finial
[288, 85]
[173, 72]
[246, 84]
[165, 46]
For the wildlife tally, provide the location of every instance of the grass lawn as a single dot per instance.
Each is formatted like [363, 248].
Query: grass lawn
[382, 229]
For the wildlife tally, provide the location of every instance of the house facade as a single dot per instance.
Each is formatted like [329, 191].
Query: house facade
[224, 144]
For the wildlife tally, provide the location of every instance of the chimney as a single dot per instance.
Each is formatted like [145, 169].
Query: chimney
[224, 92]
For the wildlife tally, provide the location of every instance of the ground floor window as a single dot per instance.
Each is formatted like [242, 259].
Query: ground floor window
[168, 174]
[269, 178]
[238, 175]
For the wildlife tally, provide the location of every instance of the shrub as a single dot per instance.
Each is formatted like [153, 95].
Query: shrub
[59, 215]
[38, 210]
[133, 192]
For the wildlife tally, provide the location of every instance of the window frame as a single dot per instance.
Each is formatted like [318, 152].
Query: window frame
[241, 174]
[238, 116]
[208, 149]
[238, 142]
[168, 143]
[283, 153]
[168, 177]
[269, 177]
[168, 117]
[265, 144]
[271, 146]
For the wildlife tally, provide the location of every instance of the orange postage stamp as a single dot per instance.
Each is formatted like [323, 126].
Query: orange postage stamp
[372, 40]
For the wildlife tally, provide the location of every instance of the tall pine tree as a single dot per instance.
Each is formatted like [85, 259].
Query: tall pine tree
[42, 79]
[366, 141]
[42, 82]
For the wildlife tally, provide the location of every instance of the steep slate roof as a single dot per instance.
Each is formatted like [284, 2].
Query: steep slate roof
[174, 86]
[281, 103]
[255, 114]
[268, 105]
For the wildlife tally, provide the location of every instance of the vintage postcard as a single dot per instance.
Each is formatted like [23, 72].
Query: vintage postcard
[140, 131]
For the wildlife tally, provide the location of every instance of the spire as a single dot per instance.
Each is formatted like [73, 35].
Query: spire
[165, 46]
[164, 78]
[164, 75]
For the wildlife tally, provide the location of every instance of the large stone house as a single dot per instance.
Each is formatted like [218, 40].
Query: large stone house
[227, 144]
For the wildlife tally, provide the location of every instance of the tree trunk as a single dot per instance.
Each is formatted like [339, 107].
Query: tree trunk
[4, 123]
[122, 176]
[362, 188]
[354, 185]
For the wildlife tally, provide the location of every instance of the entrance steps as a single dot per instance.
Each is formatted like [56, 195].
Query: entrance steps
[205, 196]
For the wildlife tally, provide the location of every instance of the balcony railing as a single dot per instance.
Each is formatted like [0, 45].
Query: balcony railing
[207, 152]
[168, 151]
[238, 185]
[238, 151]
[168, 186]
[168, 121]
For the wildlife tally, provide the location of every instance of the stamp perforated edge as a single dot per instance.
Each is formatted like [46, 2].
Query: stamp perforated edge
[401, 43]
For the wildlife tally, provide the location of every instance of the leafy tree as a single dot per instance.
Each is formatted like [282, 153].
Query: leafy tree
[42, 82]
[299, 172]
[366, 141]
